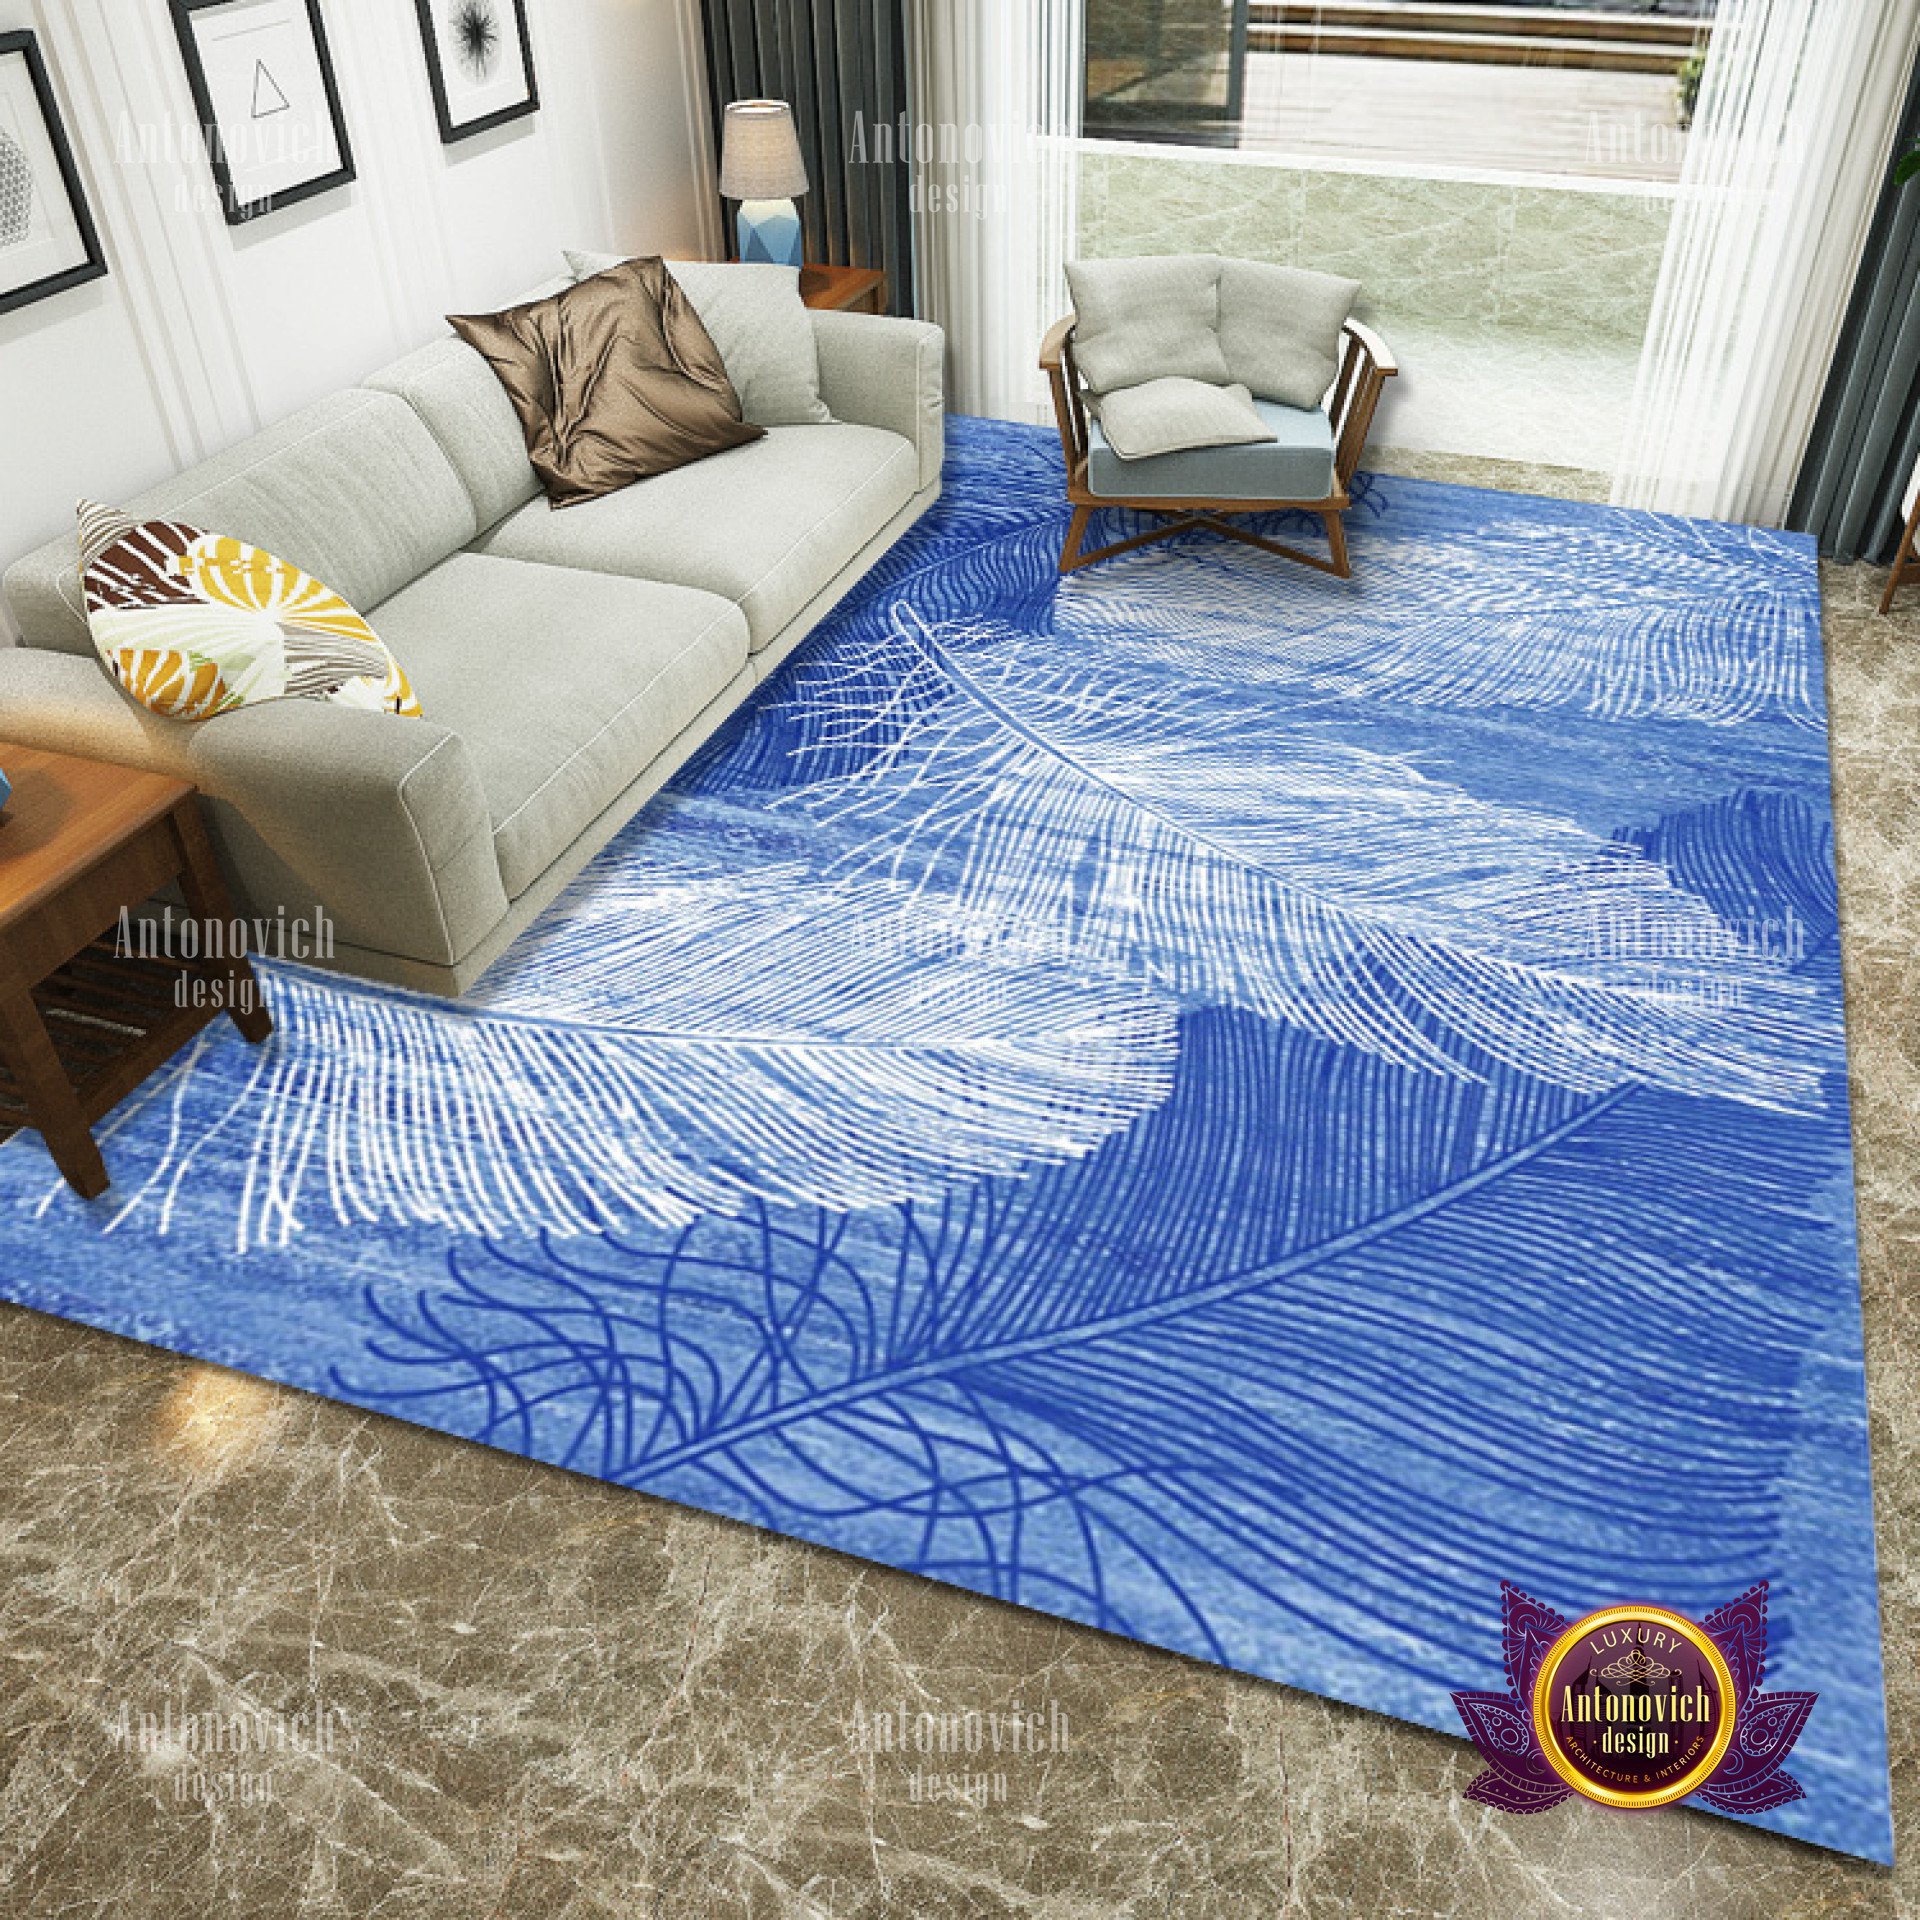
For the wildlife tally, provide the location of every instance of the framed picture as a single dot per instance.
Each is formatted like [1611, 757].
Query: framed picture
[480, 62]
[47, 238]
[263, 85]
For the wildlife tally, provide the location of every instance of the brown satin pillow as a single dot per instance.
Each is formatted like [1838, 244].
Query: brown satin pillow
[614, 380]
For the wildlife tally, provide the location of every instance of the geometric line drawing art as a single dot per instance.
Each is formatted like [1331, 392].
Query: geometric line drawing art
[268, 97]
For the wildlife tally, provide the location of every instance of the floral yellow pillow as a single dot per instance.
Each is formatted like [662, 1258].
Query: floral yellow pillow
[192, 624]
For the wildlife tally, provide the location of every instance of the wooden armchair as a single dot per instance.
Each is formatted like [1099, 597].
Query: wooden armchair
[1365, 367]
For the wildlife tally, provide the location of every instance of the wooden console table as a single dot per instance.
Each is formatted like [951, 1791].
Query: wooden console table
[82, 1024]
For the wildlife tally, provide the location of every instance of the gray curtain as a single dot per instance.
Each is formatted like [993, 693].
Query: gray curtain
[1867, 433]
[842, 66]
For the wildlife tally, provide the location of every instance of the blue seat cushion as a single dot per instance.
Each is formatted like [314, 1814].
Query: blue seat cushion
[1298, 465]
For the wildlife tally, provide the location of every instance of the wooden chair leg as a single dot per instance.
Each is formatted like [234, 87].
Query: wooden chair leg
[1335, 561]
[1902, 559]
[1070, 555]
[53, 1107]
[1337, 544]
[1321, 563]
[1164, 531]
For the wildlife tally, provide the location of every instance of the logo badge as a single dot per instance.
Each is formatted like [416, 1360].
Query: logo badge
[1635, 1706]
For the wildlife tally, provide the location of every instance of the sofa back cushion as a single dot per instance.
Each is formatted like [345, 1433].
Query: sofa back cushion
[463, 405]
[461, 402]
[352, 490]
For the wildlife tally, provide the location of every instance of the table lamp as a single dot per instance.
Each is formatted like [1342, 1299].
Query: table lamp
[761, 167]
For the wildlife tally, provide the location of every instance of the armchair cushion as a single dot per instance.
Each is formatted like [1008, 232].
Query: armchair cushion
[1295, 464]
[1148, 319]
[1280, 329]
[1163, 416]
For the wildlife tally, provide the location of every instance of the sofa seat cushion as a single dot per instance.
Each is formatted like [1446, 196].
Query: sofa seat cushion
[564, 687]
[1296, 464]
[765, 526]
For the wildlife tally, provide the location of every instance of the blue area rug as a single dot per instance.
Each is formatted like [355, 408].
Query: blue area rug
[1230, 1105]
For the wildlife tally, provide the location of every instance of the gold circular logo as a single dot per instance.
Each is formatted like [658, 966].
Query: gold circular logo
[1633, 1706]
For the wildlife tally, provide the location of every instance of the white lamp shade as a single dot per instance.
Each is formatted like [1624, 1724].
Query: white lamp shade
[760, 152]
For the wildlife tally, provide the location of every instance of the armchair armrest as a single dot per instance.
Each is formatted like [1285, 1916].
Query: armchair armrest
[881, 372]
[1366, 365]
[381, 821]
[1376, 349]
[1069, 405]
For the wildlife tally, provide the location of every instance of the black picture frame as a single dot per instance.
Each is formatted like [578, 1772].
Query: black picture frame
[26, 45]
[437, 79]
[239, 210]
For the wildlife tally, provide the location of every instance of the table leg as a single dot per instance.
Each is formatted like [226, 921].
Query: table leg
[205, 891]
[52, 1105]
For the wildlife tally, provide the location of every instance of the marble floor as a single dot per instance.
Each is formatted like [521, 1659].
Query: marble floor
[270, 1658]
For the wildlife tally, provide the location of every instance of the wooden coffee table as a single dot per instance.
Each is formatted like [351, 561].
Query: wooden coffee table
[83, 1023]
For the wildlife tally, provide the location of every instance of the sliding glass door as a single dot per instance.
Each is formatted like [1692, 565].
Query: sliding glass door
[1173, 70]
[1500, 178]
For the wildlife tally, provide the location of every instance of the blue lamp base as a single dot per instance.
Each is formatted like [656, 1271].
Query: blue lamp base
[769, 233]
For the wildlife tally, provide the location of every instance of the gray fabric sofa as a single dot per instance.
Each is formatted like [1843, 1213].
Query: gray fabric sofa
[568, 662]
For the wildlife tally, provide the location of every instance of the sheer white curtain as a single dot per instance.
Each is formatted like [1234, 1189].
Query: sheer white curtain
[1798, 109]
[996, 89]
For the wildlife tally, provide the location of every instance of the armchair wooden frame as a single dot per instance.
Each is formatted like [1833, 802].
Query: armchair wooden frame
[1365, 368]
[1906, 564]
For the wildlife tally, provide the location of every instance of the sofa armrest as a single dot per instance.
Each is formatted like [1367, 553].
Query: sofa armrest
[880, 372]
[379, 820]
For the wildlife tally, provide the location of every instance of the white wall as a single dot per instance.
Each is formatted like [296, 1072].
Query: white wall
[203, 333]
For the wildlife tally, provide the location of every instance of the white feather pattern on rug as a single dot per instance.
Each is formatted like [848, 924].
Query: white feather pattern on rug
[1250, 855]
[701, 1041]
[1634, 615]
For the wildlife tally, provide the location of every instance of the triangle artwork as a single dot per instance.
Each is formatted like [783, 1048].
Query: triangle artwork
[268, 99]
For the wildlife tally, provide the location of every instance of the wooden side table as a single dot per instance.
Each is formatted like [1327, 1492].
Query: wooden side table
[844, 289]
[82, 1023]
